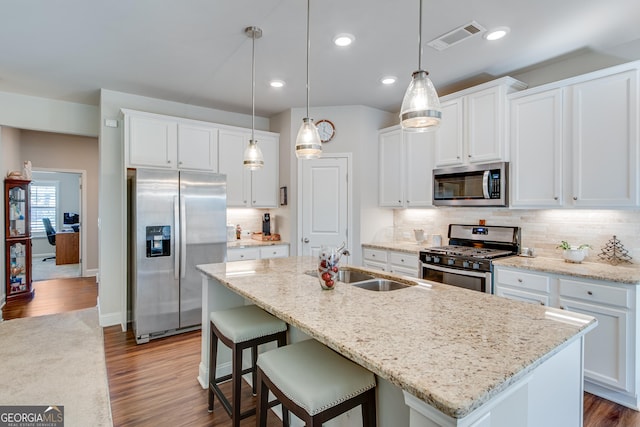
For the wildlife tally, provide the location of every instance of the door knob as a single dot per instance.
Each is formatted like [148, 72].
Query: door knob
[305, 240]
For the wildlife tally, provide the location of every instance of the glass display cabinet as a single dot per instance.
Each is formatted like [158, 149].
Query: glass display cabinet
[17, 239]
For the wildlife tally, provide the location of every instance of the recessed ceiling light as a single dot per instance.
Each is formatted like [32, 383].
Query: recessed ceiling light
[276, 83]
[343, 39]
[496, 33]
[388, 80]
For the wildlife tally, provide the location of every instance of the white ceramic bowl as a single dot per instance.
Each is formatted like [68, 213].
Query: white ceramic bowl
[573, 255]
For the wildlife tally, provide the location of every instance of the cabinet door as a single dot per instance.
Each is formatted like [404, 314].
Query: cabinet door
[536, 136]
[605, 141]
[242, 254]
[419, 171]
[450, 134]
[606, 346]
[197, 147]
[485, 125]
[264, 182]
[232, 144]
[391, 192]
[275, 251]
[152, 141]
[18, 268]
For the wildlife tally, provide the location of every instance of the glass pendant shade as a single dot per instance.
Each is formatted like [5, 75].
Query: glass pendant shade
[308, 145]
[420, 111]
[253, 159]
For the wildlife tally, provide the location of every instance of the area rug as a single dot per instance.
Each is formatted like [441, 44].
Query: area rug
[59, 360]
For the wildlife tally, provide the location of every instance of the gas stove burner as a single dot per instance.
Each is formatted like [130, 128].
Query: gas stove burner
[467, 251]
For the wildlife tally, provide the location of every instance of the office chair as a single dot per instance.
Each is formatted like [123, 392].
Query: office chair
[51, 235]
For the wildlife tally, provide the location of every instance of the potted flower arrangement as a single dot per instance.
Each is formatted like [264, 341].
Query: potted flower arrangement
[572, 253]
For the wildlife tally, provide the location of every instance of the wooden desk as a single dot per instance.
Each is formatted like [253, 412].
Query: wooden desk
[67, 247]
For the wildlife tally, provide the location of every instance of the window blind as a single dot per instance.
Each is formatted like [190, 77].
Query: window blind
[44, 203]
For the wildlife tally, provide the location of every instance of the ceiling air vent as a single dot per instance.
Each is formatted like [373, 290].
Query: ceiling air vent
[456, 36]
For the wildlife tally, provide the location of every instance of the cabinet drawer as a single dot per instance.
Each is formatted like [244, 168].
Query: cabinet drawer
[375, 265]
[532, 282]
[403, 259]
[519, 295]
[242, 254]
[277, 251]
[375, 255]
[594, 292]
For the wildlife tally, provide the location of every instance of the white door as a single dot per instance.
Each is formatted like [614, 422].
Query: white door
[324, 204]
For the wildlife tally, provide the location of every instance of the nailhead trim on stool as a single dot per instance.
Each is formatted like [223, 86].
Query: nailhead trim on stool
[240, 328]
[315, 383]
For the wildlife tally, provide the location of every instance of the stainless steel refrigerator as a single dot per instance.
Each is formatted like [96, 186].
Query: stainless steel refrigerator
[177, 221]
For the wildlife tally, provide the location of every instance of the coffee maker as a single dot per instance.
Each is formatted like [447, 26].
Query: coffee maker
[266, 224]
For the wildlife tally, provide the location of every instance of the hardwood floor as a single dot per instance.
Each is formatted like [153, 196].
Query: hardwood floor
[155, 384]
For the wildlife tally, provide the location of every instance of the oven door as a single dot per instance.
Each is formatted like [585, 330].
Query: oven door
[468, 279]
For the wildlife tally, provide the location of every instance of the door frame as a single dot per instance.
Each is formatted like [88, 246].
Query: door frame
[83, 209]
[349, 158]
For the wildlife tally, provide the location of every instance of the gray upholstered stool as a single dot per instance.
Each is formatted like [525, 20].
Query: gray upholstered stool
[315, 383]
[240, 328]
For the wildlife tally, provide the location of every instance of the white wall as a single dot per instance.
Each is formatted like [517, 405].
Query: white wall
[112, 209]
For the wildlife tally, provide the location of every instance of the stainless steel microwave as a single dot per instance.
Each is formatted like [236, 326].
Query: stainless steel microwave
[473, 185]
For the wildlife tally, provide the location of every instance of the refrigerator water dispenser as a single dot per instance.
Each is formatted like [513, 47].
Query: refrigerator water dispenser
[158, 241]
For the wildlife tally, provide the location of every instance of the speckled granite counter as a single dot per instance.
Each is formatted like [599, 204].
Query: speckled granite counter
[250, 243]
[412, 248]
[625, 273]
[451, 348]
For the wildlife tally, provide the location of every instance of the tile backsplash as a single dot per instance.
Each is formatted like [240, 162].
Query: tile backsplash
[541, 229]
[250, 220]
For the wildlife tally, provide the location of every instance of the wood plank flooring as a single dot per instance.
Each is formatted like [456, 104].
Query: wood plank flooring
[155, 384]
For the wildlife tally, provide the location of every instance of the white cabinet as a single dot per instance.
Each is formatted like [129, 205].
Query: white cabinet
[537, 133]
[604, 127]
[473, 126]
[197, 147]
[405, 165]
[397, 262]
[247, 188]
[257, 252]
[611, 349]
[150, 140]
[157, 141]
[575, 143]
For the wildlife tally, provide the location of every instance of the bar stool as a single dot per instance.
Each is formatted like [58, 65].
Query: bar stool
[315, 383]
[240, 328]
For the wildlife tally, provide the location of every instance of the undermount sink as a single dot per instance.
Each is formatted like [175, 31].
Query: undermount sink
[381, 285]
[353, 276]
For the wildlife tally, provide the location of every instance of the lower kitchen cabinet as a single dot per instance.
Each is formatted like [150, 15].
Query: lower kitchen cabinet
[257, 252]
[611, 349]
[402, 263]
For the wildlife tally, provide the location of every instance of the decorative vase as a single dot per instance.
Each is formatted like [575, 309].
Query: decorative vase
[573, 255]
[328, 261]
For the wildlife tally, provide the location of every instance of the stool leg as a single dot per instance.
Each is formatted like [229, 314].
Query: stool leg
[254, 374]
[213, 361]
[236, 381]
[263, 397]
[369, 409]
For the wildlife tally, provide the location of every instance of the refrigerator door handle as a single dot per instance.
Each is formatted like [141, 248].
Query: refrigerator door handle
[177, 236]
[183, 238]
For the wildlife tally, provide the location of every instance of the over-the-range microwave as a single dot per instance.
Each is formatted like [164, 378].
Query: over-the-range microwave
[473, 185]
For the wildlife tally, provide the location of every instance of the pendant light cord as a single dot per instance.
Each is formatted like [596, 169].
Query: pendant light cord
[253, 84]
[308, 48]
[420, 38]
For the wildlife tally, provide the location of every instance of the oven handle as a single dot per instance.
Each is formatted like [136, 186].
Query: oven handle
[454, 271]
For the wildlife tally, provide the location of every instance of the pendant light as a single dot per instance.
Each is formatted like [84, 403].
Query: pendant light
[420, 111]
[253, 159]
[308, 145]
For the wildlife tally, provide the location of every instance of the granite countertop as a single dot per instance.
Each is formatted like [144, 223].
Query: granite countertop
[623, 273]
[453, 348]
[250, 243]
[409, 247]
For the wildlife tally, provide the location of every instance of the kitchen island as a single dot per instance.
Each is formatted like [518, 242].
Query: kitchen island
[460, 358]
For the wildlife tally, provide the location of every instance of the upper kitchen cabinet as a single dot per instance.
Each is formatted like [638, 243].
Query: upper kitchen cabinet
[158, 141]
[473, 126]
[574, 143]
[245, 188]
[406, 163]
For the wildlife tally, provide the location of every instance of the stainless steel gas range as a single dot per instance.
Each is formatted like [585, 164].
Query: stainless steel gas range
[466, 261]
